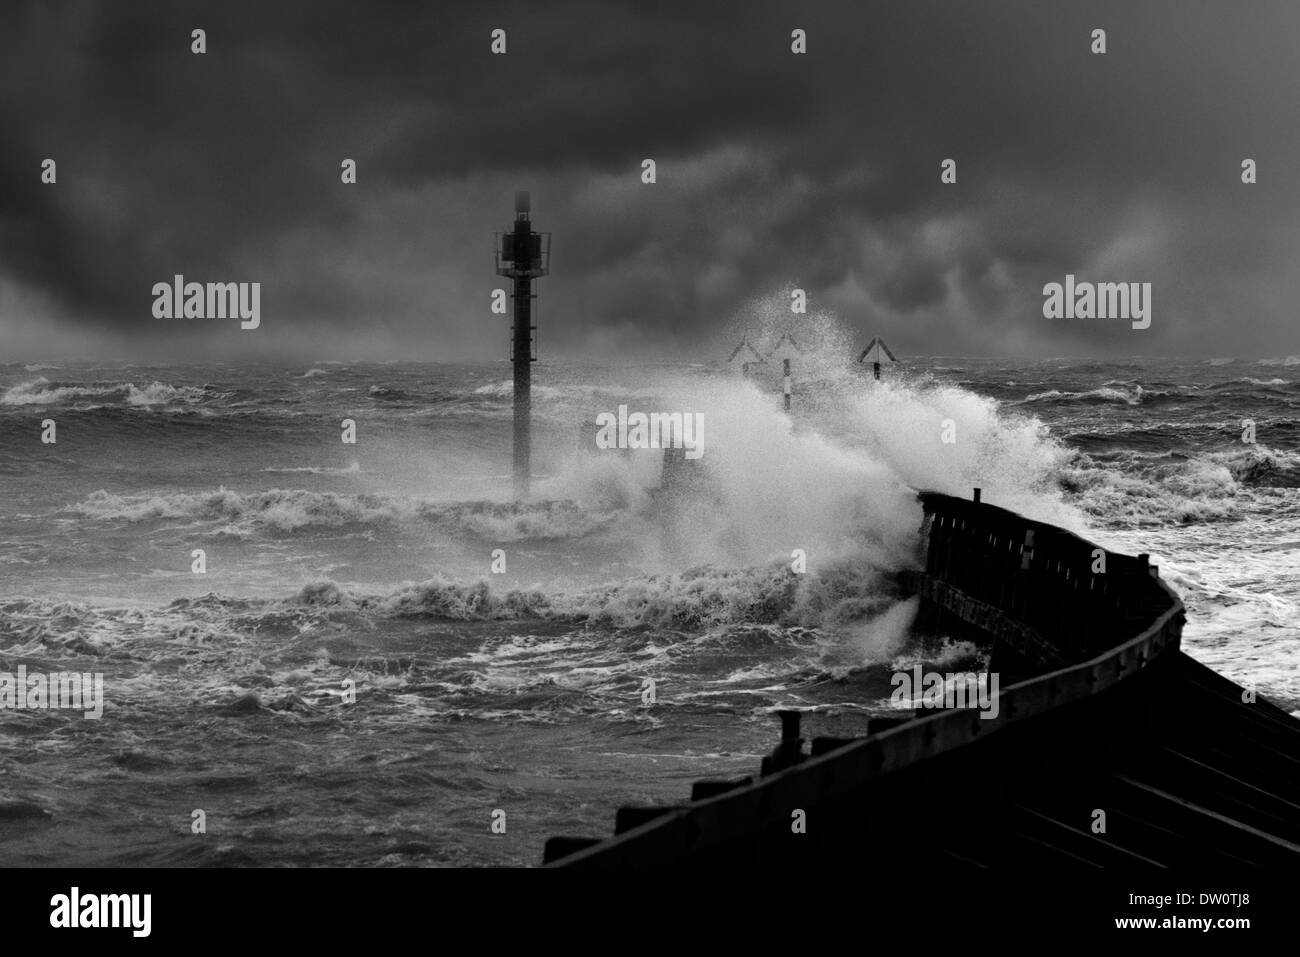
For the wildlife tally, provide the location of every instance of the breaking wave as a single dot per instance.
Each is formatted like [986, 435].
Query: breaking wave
[42, 391]
[698, 599]
[1109, 393]
[701, 599]
[290, 510]
[1159, 490]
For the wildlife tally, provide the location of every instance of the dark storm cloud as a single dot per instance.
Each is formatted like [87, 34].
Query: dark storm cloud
[774, 170]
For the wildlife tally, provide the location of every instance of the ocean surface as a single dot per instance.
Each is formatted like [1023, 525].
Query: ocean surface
[336, 570]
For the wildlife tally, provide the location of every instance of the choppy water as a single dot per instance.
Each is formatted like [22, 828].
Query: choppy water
[330, 563]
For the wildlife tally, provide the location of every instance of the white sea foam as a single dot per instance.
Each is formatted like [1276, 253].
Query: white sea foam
[288, 510]
[41, 391]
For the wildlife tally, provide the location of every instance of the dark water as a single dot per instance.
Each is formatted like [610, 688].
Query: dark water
[369, 566]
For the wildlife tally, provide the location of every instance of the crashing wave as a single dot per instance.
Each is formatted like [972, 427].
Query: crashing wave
[289, 510]
[41, 391]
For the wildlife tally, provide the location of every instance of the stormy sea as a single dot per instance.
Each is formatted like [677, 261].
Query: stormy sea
[378, 648]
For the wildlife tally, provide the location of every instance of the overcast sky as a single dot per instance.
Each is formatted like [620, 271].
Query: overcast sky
[774, 170]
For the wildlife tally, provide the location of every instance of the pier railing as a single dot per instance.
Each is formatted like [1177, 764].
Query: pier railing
[1052, 596]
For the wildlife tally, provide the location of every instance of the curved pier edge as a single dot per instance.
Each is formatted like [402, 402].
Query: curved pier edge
[1108, 746]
